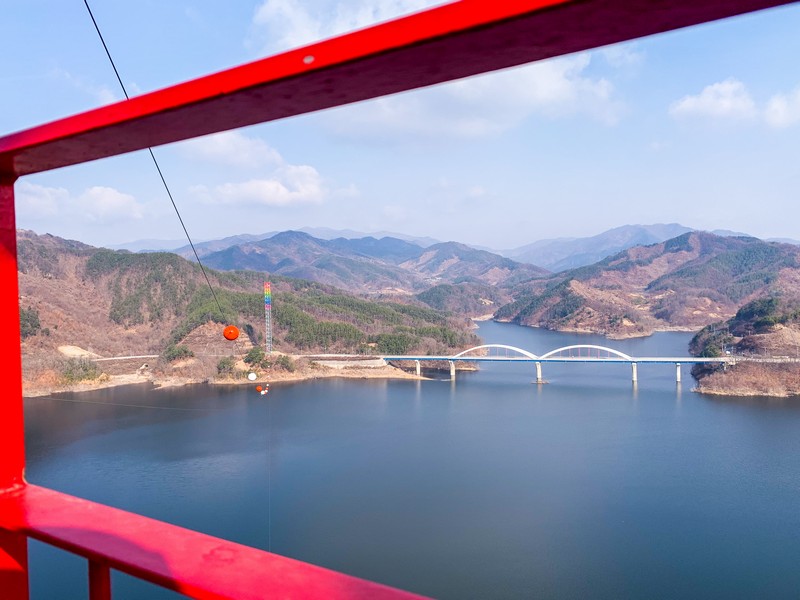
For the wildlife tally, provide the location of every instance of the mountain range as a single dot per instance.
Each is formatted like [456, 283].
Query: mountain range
[687, 282]
[560, 254]
[204, 247]
[568, 253]
[369, 265]
[400, 297]
[100, 302]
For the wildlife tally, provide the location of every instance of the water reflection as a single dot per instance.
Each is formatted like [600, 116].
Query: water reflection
[487, 487]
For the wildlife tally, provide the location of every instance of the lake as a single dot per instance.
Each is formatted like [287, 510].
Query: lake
[488, 487]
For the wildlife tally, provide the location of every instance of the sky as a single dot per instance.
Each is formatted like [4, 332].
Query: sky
[699, 126]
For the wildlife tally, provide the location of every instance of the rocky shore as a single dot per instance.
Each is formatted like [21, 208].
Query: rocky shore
[303, 373]
[753, 379]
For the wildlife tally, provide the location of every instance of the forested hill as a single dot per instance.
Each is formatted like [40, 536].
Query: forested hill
[370, 265]
[688, 282]
[118, 303]
[766, 327]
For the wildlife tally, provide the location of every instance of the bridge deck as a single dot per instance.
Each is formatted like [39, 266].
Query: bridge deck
[571, 359]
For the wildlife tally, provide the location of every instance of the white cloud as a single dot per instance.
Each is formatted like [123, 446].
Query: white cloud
[727, 99]
[620, 56]
[474, 107]
[783, 110]
[283, 184]
[35, 201]
[105, 205]
[730, 99]
[289, 185]
[101, 94]
[233, 148]
[484, 105]
[553, 88]
[97, 204]
[283, 24]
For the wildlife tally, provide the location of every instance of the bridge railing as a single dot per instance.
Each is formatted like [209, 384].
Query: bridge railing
[185, 561]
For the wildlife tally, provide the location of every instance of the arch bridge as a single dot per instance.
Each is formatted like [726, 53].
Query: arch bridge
[576, 353]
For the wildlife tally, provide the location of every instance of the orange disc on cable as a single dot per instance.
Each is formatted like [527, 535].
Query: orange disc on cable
[258, 388]
[231, 332]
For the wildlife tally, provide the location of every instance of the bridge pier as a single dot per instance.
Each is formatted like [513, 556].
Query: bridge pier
[634, 372]
[539, 373]
[452, 370]
[678, 372]
[417, 367]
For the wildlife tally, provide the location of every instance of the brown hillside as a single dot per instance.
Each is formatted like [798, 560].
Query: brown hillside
[687, 282]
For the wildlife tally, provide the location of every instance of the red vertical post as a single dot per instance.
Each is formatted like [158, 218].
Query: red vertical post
[99, 581]
[13, 546]
[13, 566]
[12, 439]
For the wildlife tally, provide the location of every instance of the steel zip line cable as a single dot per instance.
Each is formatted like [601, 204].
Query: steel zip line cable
[155, 162]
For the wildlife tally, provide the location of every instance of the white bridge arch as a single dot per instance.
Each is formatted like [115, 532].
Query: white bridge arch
[580, 347]
[552, 353]
[500, 346]
[558, 356]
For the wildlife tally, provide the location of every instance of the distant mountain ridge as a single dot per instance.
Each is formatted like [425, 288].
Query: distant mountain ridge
[370, 265]
[685, 282]
[688, 281]
[559, 254]
[207, 246]
[569, 253]
[562, 254]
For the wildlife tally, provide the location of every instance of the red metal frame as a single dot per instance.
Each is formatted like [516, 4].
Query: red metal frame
[198, 565]
[441, 44]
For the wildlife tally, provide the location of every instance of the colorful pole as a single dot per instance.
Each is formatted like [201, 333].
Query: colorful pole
[268, 316]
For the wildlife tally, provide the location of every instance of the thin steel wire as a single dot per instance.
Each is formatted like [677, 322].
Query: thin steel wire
[155, 162]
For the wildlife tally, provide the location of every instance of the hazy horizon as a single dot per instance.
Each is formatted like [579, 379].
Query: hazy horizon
[158, 244]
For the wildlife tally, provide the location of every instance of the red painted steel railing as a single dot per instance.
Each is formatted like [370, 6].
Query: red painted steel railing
[452, 41]
[192, 563]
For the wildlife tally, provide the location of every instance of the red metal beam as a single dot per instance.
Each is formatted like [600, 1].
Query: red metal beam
[13, 546]
[195, 564]
[445, 43]
[12, 439]
[99, 581]
[13, 566]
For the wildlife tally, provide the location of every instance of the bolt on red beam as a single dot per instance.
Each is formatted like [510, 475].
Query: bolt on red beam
[440, 44]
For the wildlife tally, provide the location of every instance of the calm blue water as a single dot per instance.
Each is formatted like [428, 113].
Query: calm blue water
[493, 487]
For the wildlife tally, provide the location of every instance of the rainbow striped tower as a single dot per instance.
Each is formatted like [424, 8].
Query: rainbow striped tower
[268, 315]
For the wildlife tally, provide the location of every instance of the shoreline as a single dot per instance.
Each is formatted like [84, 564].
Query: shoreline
[159, 382]
[609, 336]
[742, 393]
[387, 372]
[306, 373]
